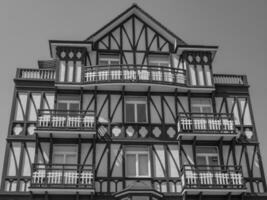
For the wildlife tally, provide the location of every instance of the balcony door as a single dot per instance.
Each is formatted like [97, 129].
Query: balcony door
[65, 155]
[207, 157]
[68, 107]
[160, 67]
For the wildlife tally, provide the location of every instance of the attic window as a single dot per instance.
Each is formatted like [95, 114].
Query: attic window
[109, 59]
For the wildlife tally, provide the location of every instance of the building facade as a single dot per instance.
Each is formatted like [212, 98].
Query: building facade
[132, 112]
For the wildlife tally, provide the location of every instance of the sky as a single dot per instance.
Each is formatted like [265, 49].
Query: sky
[238, 27]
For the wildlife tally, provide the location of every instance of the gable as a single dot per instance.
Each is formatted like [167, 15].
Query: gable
[135, 29]
[133, 33]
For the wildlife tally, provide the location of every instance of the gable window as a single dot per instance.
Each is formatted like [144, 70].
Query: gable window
[160, 66]
[136, 110]
[201, 105]
[207, 156]
[64, 154]
[137, 162]
[159, 60]
[109, 59]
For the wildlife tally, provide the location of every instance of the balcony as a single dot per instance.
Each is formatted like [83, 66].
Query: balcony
[36, 74]
[65, 123]
[62, 179]
[206, 126]
[230, 79]
[212, 179]
[134, 74]
[145, 74]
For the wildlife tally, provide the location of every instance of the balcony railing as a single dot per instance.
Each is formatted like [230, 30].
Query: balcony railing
[65, 120]
[219, 178]
[134, 73]
[63, 177]
[36, 74]
[208, 124]
[230, 79]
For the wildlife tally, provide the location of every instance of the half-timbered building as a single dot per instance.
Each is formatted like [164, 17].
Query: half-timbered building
[131, 113]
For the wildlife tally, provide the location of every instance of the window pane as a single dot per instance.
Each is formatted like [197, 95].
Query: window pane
[141, 112]
[114, 62]
[131, 165]
[143, 165]
[130, 115]
[213, 160]
[103, 62]
[58, 158]
[62, 106]
[71, 159]
[201, 160]
[207, 110]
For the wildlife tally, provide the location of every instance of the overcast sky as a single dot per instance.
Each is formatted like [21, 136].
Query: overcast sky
[238, 27]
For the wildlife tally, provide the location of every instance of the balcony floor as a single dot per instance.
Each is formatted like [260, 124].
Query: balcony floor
[207, 136]
[61, 190]
[65, 133]
[196, 191]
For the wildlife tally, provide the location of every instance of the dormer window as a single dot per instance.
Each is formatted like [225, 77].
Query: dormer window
[109, 59]
[159, 60]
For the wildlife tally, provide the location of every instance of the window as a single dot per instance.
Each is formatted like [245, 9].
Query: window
[137, 162]
[159, 60]
[64, 154]
[207, 156]
[109, 59]
[68, 105]
[135, 110]
[201, 105]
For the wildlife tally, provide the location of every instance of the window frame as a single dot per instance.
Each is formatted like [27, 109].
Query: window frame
[128, 100]
[109, 59]
[201, 105]
[208, 155]
[159, 62]
[68, 102]
[65, 153]
[137, 153]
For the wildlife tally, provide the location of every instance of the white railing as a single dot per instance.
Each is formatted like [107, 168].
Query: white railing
[205, 122]
[45, 175]
[68, 119]
[134, 73]
[212, 177]
[39, 74]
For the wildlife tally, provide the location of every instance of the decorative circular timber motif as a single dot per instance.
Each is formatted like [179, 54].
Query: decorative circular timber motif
[31, 129]
[198, 59]
[190, 58]
[248, 133]
[63, 54]
[205, 59]
[79, 55]
[116, 131]
[130, 131]
[143, 131]
[71, 54]
[102, 130]
[17, 129]
[156, 132]
[171, 132]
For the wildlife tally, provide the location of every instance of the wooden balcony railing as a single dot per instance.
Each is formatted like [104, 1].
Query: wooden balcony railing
[62, 176]
[212, 177]
[134, 73]
[230, 79]
[66, 119]
[206, 122]
[36, 74]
